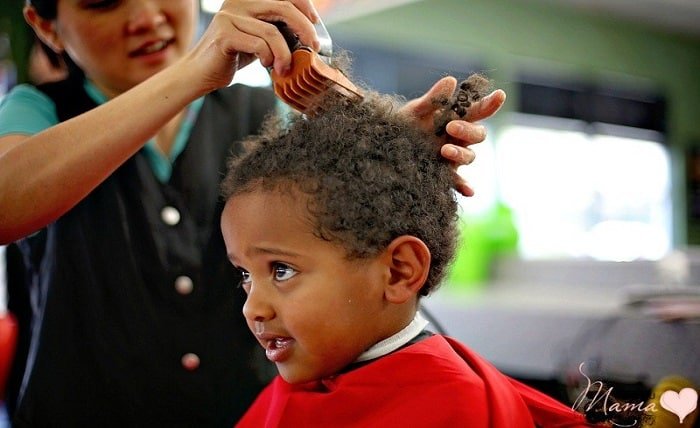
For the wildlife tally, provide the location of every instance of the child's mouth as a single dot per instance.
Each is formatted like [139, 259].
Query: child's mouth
[278, 349]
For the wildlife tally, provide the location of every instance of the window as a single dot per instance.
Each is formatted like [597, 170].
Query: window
[577, 193]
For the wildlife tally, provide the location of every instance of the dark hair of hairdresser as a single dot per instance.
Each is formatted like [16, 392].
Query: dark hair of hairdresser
[48, 9]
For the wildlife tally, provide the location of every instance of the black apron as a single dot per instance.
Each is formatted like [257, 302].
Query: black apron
[136, 314]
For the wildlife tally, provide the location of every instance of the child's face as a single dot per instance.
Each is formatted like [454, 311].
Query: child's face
[312, 310]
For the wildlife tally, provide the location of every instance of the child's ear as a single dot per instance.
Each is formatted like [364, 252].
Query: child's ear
[45, 29]
[408, 260]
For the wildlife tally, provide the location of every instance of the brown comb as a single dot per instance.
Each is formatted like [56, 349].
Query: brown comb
[308, 80]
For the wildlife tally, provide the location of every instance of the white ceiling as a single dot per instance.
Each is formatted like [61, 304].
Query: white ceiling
[678, 16]
[341, 10]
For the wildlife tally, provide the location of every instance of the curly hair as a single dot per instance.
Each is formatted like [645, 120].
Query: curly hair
[369, 174]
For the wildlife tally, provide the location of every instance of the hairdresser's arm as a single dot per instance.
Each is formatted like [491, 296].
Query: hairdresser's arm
[461, 133]
[44, 175]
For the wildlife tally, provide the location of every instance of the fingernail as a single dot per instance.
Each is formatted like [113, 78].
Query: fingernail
[482, 132]
[457, 127]
[452, 152]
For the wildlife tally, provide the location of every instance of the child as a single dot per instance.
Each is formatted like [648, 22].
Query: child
[339, 224]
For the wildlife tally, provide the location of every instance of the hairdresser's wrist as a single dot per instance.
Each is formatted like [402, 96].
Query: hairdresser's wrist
[176, 86]
[204, 69]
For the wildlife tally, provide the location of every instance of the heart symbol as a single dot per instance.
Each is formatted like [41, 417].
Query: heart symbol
[680, 403]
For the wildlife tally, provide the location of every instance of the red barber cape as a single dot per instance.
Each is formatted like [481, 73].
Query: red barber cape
[436, 382]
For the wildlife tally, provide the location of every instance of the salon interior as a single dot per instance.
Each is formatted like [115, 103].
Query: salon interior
[580, 251]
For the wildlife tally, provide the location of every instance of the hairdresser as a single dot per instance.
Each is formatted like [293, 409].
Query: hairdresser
[110, 188]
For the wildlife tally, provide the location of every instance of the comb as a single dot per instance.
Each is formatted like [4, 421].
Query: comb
[308, 81]
[311, 76]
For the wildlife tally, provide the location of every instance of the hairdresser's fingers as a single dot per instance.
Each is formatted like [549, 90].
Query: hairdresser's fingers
[296, 13]
[457, 154]
[465, 133]
[423, 107]
[299, 15]
[486, 107]
[462, 186]
[227, 46]
[256, 17]
[307, 8]
[264, 41]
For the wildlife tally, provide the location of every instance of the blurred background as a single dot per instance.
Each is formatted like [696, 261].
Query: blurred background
[580, 244]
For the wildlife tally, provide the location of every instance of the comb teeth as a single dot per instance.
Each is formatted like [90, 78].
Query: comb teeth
[309, 78]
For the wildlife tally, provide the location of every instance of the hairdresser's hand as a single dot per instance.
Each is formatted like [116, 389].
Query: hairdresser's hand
[242, 31]
[460, 133]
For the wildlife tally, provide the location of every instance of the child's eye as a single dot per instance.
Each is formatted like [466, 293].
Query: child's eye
[245, 277]
[283, 272]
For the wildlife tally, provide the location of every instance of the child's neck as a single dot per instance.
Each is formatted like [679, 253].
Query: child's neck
[394, 342]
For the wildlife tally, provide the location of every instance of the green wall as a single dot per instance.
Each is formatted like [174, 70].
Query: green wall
[12, 24]
[510, 36]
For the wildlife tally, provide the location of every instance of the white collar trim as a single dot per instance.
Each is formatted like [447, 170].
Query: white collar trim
[396, 341]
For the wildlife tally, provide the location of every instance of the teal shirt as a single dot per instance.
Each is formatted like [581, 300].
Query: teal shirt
[27, 110]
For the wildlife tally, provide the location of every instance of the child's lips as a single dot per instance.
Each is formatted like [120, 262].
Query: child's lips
[277, 348]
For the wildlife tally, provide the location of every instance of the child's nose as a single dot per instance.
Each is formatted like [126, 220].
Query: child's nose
[257, 306]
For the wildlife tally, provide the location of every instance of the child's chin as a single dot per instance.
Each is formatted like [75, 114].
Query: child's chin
[297, 378]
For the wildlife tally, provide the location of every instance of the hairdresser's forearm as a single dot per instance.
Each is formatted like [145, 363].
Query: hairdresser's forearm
[45, 175]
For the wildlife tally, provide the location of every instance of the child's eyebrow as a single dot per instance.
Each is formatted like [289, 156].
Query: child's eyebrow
[232, 259]
[264, 251]
[274, 252]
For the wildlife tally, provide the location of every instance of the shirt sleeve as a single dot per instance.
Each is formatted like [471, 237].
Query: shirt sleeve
[26, 110]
